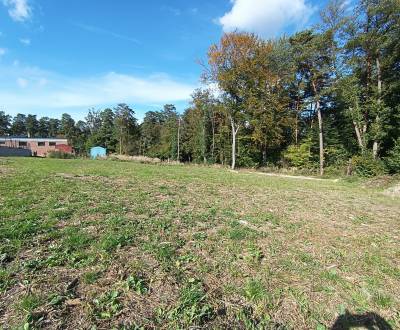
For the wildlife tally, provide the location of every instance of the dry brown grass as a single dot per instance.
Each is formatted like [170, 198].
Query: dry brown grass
[268, 251]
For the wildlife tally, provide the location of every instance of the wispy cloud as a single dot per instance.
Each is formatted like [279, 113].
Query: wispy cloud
[19, 10]
[25, 41]
[40, 89]
[22, 82]
[179, 12]
[172, 10]
[99, 30]
[3, 51]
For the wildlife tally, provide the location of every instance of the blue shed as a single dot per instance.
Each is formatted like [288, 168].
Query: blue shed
[96, 152]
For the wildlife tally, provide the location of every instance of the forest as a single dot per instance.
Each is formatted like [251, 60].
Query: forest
[323, 100]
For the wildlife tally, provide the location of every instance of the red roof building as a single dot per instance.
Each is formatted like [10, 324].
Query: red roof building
[38, 146]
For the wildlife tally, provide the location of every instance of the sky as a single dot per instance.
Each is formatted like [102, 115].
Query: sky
[61, 56]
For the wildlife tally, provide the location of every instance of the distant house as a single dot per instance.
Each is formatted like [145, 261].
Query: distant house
[98, 152]
[11, 146]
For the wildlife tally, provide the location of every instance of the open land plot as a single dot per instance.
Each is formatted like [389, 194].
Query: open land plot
[130, 246]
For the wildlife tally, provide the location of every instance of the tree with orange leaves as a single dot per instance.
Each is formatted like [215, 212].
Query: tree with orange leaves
[252, 82]
[230, 62]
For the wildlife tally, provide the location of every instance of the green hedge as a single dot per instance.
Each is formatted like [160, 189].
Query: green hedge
[60, 155]
[367, 166]
[392, 161]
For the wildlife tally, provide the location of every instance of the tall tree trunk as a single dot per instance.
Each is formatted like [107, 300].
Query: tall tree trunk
[213, 136]
[320, 131]
[234, 133]
[179, 138]
[120, 141]
[312, 115]
[375, 146]
[204, 147]
[321, 140]
[358, 134]
[296, 136]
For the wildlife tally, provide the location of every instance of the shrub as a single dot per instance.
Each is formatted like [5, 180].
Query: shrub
[246, 161]
[366, 166]
[60, 155]
[299, 156]
[336, 156]
[392, 161]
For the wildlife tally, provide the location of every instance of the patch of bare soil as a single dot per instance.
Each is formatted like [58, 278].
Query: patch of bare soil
[5, 170]
[393, 191]
[95, 178]
[299, 177]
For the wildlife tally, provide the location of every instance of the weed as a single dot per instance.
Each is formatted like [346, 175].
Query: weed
[91, 277]
[6, 279]
[362, 219]
[246, 319]
[138, 284]
[108, 305]
[200, 236]
[254, 290]
[383, 300]
[75, 239]
[165, 252]
[56, 299]
[30, 302]
[113, 241]
[255, 253]
[238, 232]
[271, 218]
[192, 307]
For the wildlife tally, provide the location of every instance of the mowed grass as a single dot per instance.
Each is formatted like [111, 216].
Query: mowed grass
[107, 244]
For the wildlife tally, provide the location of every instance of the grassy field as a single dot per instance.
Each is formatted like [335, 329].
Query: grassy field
[110, 244]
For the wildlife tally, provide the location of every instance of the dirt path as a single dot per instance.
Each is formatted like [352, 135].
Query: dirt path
[299, 177]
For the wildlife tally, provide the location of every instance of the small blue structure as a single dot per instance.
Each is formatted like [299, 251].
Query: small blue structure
[97, 152]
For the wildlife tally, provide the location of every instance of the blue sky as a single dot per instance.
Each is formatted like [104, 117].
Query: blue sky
[71, 55]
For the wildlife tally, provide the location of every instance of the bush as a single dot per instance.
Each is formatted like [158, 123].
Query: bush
[299, 156]
[246, 161]
[392, 161]
[367, 166]
[60, 155]
[336, 156]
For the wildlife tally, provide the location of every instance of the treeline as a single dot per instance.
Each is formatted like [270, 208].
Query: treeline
[327, 98]
[324, 95]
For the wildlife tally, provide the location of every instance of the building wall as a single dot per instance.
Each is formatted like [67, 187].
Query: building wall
[38, 148]
[14, 152]
[64, 148]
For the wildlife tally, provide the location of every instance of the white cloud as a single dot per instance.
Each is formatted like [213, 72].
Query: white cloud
[267, 18]
[3, 51]
[19, 10]
[22, 82]
[41, 89]
[25, 41]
